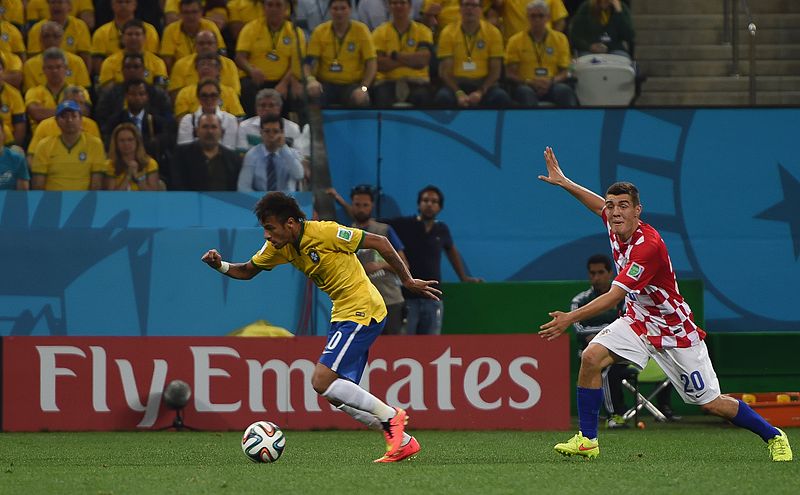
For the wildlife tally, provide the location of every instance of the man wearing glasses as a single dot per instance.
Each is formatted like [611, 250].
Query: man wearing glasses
[272, 165]
[208, 93]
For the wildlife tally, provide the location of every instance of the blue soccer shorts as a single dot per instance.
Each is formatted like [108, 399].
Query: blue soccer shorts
[347, 349]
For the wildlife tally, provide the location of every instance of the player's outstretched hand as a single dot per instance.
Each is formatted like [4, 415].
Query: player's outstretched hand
[424, 288]
[554, 327]
[212, 258]
[554, 174]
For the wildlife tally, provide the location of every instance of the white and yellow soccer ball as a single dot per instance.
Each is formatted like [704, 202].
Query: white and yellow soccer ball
[263, 441]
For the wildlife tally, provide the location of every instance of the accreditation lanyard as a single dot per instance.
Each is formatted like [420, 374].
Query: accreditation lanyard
[539, 48]
[469, 42]
[274, 35]
[338, 42]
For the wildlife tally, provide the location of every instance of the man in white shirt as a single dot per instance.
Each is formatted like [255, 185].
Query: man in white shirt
[270, 103]
[272, 165]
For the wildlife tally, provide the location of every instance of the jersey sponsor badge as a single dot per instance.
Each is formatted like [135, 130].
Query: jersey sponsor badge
[549, 50]
[411, 42]
[146, 73]
[635, 271]
[314, 256]
[344, 234]
[70, 40]
[82, 156]
[480, 44]
[360, 314]
[69, 72]
[351, 47]
[4, 108]
[287, 40]
[4, 36]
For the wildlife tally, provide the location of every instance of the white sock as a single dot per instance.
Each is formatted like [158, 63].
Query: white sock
[350, 394]
[370, 421]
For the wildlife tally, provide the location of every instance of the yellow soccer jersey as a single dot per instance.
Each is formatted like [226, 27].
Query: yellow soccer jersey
[245, 10]
[12, 11]
[76, 37]
[175, 43]
[151, 168]
[11, 39]
[451, 10]
[41, 95]
[184, 73]
[49, 127]
[155, 70]
[471, 54]
[341, 61]
[106, 39]
[515, 15]
[186, 101]
[326, 255]
[77, 75]
[11, 62]
[272, 51]
[12, 110]
[69, 169]
[545, 59]
[387, 40]
[38, 9]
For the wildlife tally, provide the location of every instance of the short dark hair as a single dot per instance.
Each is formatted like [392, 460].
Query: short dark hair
[268, 119]
[136, 56]
[280, 205]
[138, 23]
[208, 82]
[363, 189]
[431, 188]
[331, 2]
[207, 56]
[126, 85]
[599, 258]
[619, 188]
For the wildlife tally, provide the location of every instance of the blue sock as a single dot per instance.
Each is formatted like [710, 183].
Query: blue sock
[747, 418]
[589, 400]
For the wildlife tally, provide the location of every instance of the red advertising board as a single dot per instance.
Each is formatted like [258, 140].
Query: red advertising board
[116, 383]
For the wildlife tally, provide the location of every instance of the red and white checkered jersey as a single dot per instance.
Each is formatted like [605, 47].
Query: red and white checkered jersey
[654, 307]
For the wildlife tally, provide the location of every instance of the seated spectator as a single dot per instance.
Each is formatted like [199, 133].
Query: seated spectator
[471, 61]
[345, 67]
[272, 165]
[602, 26]
[515, 16]
[71, 161]
[13, 12]
[208, 69]
[240, 12]
[208, 93]
[158, 133]
[112, 98]
[14, 173]
[537, 61]
[129, 167]
[267, 51]
[269, 103]
[11, 40]
[404, 52]
[203, 164]
[12, 65]
[177, 41]
[12, 111]
[76, 37]
[41, 101]
[51, 36]
[49, 126]
[155, 72]
[107, 39]
[37, 10]
[311, 13]
[447, 12]
[184, 71]
[215, 11]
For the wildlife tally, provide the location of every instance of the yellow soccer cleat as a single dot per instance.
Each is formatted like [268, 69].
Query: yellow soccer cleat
[779, 448]
[581, 446]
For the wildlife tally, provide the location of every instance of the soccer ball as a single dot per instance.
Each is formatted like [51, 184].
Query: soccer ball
[263, 441]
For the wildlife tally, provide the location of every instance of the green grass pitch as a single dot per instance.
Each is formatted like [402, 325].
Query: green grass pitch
[696, 456]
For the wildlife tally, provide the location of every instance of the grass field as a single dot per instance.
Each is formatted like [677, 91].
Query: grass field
[695, 456]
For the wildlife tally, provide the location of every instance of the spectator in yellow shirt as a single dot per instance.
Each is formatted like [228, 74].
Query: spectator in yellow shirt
[13, 66]
[76, 33]
[129, 167]
[268, 53]
[184, 73]
[12, 11]
[341, 62]
[133, 41]
[240, 12]
[41, 101]
[12, 112]
[73, 161]
[49, 127]
[51, 36]
[107, 39]
[537, 60]
[208, 68]
[82, 9]
[515, 20]
[11, 40]
[179, 37]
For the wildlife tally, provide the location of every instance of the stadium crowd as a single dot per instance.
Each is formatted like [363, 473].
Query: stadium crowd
[120, 94]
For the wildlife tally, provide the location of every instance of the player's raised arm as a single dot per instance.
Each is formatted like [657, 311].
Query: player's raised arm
[241, 271]
[387, 251]
[556, 177]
